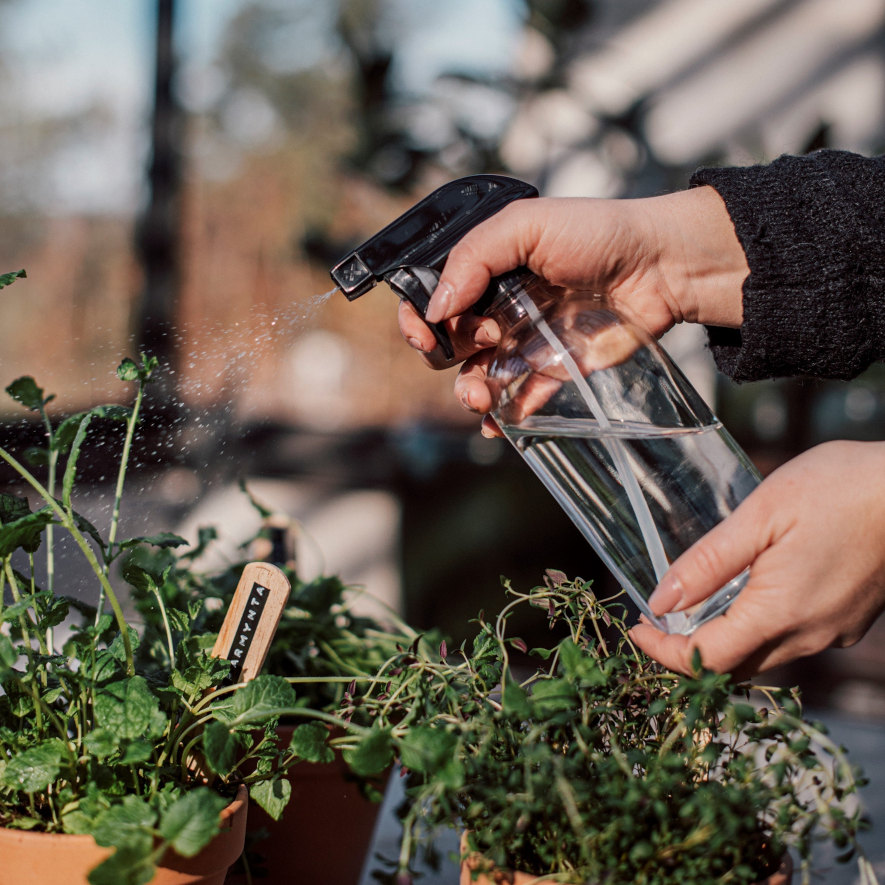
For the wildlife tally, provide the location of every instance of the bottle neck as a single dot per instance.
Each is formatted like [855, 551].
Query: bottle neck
[514, 296]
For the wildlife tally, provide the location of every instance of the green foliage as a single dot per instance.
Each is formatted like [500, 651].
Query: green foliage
[600, 766]
[580, 760]
[122, 733]
[321, 643]
[7, 279]
[309, 742]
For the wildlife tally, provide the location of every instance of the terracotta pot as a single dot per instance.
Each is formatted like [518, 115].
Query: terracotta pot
[499, 877]
[324, 834]
[64, 859]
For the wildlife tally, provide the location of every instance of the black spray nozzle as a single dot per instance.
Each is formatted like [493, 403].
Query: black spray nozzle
[409, 252]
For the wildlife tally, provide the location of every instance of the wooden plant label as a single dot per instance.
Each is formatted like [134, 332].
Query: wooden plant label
[251, 620]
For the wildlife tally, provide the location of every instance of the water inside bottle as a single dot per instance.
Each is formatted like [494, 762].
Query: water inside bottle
[689, 478]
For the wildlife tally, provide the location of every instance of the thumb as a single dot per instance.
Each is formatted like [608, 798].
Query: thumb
[713, 560]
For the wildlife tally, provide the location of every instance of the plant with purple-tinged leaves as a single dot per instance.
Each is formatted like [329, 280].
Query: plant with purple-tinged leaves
[597, 765]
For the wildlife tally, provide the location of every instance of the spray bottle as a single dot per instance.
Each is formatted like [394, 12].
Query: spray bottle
[591, 402]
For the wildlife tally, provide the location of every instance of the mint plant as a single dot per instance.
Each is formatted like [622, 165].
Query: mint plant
[126, 735]
[321, 643]
[596, 765]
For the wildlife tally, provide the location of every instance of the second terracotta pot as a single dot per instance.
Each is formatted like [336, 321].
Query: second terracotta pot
[324, 834]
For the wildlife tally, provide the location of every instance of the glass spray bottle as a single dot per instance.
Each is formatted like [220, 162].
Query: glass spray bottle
[593, 404]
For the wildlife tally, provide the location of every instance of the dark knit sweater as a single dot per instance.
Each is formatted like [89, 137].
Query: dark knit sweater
[813, 230]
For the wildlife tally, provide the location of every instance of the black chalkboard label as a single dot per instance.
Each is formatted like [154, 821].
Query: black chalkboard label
[246, 630]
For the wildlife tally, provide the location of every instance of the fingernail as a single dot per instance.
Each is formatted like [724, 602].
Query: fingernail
[667, 596]
[464, 399]
[440, 302]
[487, 335]
[414, 342]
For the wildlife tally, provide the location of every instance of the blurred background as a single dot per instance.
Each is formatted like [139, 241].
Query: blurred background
[178, 176]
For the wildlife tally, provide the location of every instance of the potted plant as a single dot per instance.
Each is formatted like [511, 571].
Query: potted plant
[595, 765]
[124, 743]
[323, 647]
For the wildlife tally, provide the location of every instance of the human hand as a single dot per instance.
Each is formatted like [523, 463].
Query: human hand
[658, 261]
[813, 535]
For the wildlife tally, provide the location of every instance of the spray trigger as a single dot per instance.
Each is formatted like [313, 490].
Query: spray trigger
[410, 252]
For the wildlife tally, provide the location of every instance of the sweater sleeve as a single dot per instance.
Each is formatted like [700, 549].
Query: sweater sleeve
[813, 231]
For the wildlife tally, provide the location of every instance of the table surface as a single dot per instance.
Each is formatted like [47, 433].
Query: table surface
[864, 740]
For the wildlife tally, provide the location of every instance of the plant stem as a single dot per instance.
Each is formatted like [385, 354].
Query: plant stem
[336, 659]
[50, 482]
[16, 597]
[68, 522]
[163, 612]
[124, 462]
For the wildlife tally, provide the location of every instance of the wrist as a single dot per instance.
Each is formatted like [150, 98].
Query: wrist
[706, 260]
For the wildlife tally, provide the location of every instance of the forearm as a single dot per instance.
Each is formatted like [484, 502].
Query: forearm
[812, 229]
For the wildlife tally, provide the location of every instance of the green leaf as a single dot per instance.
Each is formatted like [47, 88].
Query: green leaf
[34, 769]
[205, 535]
[128, 865]
[161, 539]
[129, 709]
[144, 568]
[51, 696]
[128, 370]
[372, 755]
[739, 714]
[551, 696]
[101, 743]
[486, 657]
[309, 742]
[191, 821]
[199, 674]
[26, 823]
[24, 533]
[81, 818]
[66, 431]
[117, 649]
[570, 657]
[272, 795]
[105, 668]
[7, 279]
[71, 467]
[543, 653]
[25, 391]
[427, 749]
[127, 823]
[257, 701]
[13, 507]
[516, 702]
[8, 652]
[137, 751]
[220, 747]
